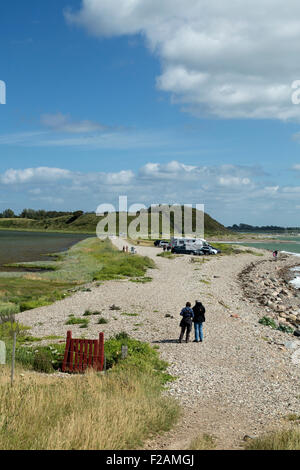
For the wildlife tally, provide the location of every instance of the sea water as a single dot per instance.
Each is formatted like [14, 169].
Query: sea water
[286, 244]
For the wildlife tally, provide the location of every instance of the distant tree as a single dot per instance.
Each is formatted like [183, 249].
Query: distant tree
[8, 214]
[28, 214]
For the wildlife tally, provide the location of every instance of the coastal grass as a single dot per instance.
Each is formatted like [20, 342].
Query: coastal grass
[117, 410]
[90, 412]
[287, 439]
[203, 442]
[102, 321]
[77, 321]
[231, 249]
[89, 260]
[88, 313]
[142, 280]
[20, 294]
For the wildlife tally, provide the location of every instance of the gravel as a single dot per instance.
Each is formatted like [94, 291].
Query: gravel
[239, 381]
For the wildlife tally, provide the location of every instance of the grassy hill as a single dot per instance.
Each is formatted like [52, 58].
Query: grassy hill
[87, 223]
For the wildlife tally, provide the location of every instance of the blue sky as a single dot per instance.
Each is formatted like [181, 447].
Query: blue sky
[154, 100]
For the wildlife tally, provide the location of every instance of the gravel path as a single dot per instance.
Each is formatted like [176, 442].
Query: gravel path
[239, 381]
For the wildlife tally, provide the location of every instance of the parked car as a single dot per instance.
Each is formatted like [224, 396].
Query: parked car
[161, 243]
[185, 251]
[218, 251]
[208, 250]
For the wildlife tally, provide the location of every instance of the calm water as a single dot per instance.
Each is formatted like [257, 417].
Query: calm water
[33, 246]
[288, 244]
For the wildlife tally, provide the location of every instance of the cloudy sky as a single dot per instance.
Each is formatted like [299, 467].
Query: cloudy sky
[165, 101]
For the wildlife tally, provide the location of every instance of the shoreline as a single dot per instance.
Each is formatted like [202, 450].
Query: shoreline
[17, 251]
[70, 232]
[240, 380]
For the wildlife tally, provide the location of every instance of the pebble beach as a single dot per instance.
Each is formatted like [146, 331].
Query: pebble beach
[242, 379]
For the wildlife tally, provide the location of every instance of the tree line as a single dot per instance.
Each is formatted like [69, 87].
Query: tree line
[263, 228]
[36, 214]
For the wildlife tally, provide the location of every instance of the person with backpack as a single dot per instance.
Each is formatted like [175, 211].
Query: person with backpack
[186, 322]
[199, 319]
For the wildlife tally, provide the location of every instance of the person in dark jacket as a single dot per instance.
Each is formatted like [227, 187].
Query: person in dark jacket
[186, 322]
[199, 319]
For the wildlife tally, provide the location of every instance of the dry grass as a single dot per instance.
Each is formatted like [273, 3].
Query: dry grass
[203, 442]
[118, 410]
[287, 439]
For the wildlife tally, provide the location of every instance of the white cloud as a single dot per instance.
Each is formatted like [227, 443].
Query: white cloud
[228, 59]
[63, 123]
[32, 175]
[229, 192]
[123, 177]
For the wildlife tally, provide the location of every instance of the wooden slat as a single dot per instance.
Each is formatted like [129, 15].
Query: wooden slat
[85, 356]
[67, 351]
[101, 351]
[90, 360]
[71, 367]
[76, 344]
[80, 354]
[95, 353]
[81, 344]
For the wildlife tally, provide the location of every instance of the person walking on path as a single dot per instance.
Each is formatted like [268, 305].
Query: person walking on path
[199, 319]
[186, 322]
[275, 254]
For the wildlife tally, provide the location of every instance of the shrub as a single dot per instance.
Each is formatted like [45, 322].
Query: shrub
[88, 313]
[77, 321]
[8, 308]
[141, 356]
[268, 322]
[42, 362]
[31, 304]
[285, 329]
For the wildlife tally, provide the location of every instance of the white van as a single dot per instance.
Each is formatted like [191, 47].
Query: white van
[189, 243]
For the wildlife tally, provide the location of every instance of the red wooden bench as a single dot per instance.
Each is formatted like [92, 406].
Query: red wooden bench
[83, 353]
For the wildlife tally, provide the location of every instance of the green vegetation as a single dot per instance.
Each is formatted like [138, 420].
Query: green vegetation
[263, 229]
[37, 265]
[288, 439]
[141, 356]
[126, 404]
[45, 412]
[293, 417]
[20, 294]
[285, 329]
[231, 249]
[88, 313]
[77, 321]
[271, 323]
[102, 321]
[142, 280]
[87, 222]
[88, 260]
[268, 322]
